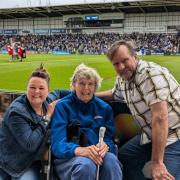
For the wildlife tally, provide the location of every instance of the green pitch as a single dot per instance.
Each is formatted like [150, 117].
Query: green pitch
[14, 75]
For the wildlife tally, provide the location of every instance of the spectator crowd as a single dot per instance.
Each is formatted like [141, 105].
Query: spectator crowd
[97, 43]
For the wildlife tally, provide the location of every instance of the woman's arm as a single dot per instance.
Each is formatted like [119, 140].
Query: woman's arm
[28, 134]
[57, 94]
[61, 148]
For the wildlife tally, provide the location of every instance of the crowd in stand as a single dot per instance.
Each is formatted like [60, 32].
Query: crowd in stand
[97, 43]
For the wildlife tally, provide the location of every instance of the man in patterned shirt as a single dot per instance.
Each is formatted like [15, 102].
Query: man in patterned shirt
[153, 97]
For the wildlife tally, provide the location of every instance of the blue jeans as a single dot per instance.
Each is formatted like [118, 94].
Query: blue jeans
[82, 168]
[33, 173]
[133, 156]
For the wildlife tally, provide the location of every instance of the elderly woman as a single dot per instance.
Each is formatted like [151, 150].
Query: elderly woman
[75, 132]
[24, 128]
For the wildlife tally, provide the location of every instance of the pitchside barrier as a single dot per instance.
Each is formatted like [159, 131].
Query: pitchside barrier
[5, 100]
[125, 127]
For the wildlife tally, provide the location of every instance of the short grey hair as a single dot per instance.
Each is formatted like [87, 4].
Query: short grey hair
[84, 72]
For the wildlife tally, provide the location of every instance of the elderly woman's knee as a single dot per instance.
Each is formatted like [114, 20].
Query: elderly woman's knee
[84, 165]
[111, 161]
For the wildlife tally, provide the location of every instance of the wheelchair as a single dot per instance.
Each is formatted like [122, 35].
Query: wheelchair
[125, 128]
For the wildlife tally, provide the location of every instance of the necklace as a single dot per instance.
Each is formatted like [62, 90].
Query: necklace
[40, 111]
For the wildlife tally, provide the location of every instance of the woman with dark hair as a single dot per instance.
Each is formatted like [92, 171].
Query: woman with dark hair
[24, 128]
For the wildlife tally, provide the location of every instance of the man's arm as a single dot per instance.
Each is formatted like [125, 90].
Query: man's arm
[105, 95]
[159, 139]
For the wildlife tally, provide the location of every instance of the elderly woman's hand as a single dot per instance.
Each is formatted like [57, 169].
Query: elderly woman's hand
[103, 149]
[91, 152]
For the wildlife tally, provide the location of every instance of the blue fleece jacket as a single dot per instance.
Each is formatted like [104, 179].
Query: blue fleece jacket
[91, 116]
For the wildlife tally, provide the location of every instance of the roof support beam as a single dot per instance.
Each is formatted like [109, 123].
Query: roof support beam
[7, 15]
[72, 9]
[165, 8]
[139, 6]
[94, 9]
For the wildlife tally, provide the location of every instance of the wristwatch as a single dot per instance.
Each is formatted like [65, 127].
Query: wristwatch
[46, 119]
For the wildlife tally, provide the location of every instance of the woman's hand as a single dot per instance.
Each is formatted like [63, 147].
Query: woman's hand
[103, 149]
[91, 152]
[51, 107]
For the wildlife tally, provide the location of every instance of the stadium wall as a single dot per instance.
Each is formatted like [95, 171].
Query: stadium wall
[150, 22]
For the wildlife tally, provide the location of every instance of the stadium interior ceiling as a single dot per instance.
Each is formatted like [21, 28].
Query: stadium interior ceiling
[124, 7]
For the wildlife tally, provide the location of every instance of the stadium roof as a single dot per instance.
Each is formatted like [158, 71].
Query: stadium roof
[90, 8]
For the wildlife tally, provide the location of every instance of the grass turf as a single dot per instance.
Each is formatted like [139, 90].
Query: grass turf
[14, 75]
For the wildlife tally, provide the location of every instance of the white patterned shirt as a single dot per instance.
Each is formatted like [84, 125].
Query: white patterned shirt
[150, 84]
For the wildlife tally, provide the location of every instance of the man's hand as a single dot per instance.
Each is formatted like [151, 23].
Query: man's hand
[159, 172]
